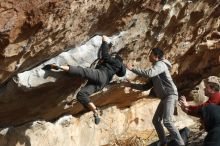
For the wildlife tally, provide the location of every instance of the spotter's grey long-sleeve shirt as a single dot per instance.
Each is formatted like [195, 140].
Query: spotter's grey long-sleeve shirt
[160, 77]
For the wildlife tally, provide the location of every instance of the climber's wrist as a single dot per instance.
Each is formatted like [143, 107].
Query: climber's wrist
[64, 67]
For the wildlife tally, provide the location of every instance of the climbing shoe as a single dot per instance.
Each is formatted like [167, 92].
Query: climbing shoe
[96, 118]
[51, 66]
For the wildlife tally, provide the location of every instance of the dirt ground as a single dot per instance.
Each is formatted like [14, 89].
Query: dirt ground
[147, 138]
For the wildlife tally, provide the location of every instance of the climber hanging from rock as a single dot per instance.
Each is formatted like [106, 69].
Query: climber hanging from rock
[97, 78]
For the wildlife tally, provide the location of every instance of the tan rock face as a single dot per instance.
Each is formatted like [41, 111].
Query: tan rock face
[81, 131]
[40, 29]
[35, 32]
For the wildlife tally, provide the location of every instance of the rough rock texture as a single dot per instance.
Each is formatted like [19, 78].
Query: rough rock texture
[115, 125]
[187, 32]
[33, 31]
[36, 32]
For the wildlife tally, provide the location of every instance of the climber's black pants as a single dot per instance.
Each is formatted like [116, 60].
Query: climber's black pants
[97, 79]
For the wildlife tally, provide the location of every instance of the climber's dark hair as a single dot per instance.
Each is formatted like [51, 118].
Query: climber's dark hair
[157, 52]
[119, 57]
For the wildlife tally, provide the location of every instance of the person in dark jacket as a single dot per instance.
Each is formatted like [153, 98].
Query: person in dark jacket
[97, 78]
[210, 117]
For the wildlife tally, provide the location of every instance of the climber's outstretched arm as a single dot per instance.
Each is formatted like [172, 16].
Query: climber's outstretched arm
[56, 67]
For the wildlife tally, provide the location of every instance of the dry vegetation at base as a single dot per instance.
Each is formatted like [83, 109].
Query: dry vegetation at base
[145, 138]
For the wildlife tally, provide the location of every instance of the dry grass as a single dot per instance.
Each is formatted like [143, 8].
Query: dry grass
[145, 138]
